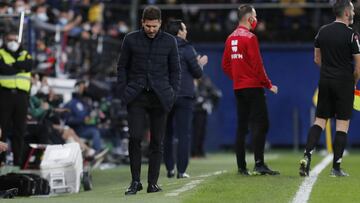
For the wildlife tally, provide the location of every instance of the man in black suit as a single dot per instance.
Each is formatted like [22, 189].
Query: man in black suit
[148, 81]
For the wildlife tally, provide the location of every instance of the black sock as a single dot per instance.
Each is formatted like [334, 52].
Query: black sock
[339, 146]
[312, 139]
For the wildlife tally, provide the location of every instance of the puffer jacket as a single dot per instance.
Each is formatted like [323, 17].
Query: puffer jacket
[149, 64]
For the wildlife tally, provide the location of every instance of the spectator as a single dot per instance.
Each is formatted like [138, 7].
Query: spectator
[123, 28]
[20, 6]
[42, 23]
[5, 22]
[95, 14]
[294, 18]
[48, 128]
[81, 118]
[45, 58]
[212, 22]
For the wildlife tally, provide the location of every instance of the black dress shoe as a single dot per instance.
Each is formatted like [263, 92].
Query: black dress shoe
[153, 188]
[134, 187]
[9, 194]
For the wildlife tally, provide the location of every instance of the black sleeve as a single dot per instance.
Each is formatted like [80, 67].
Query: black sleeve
[123, 65]
[25, 65]
[191, 59]
[6, 69]
[355, 46]
[316, 41]
[174, 67]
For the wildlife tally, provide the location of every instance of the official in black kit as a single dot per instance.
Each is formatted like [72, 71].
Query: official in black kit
[337, 53]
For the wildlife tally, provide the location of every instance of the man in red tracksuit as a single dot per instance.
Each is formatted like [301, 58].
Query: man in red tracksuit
[243, 64]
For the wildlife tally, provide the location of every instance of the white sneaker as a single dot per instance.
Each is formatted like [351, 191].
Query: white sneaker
[183, 175]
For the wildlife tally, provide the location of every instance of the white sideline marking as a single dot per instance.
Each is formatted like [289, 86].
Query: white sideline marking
[186, 187]
[192, 184]
[303, 194]
[212, 174]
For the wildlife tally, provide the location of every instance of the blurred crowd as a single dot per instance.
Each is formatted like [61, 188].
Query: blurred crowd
[68, 38]
[72, 34]
[87, 118]
[82, 38]
[276, 23]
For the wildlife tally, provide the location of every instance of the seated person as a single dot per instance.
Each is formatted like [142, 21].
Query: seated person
[81, 118]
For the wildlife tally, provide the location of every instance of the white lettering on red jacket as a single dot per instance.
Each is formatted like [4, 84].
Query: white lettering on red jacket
[242, 61]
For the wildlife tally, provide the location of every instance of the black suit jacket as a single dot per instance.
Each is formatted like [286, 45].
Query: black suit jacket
[149, 63]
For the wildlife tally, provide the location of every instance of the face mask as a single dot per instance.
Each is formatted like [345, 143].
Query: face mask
[43, 17]
[87, 27]
[13, 46]
[123, 29]
[35, 88]
[20, 9]
[63, 21]
[45, 89]
[253, 24]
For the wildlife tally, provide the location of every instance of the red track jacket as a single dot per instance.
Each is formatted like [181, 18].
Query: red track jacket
[242, 60]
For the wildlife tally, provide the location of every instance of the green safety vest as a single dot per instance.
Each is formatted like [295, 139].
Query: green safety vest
[21, 81]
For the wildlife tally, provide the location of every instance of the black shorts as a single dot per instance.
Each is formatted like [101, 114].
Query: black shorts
[335, 99]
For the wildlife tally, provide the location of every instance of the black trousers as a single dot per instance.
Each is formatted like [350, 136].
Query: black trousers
[252, 114]
[178, 126]
[13, 111]
[199, 133]
[146, 103]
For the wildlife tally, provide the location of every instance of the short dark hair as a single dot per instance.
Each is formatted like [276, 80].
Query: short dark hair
[340, 6]
[151, 13]
[79, 82]
[11, 30]
[243, 10]
[174, 26]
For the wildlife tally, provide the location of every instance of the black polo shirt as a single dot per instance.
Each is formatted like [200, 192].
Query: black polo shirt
[337, 43]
